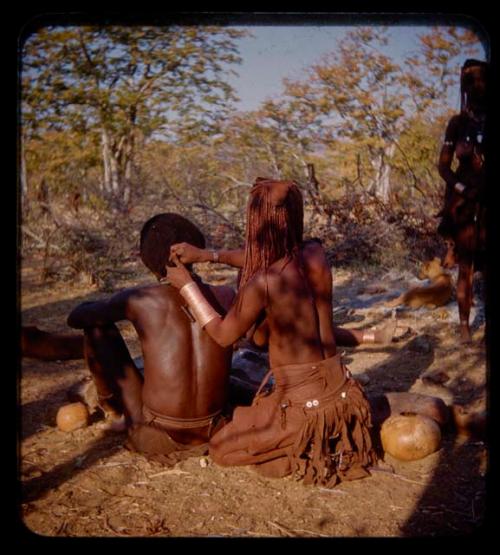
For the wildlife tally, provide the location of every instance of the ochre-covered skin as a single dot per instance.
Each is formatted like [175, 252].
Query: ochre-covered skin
[43, 345]
[290, 282]
[185, 372]
[463, 223]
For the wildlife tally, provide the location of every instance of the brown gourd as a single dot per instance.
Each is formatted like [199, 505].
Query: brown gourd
[72, 417]
[409, 436]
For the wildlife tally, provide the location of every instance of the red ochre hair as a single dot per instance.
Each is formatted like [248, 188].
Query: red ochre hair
[275, 222]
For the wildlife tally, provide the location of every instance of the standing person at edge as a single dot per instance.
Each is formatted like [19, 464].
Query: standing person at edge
[315, 424]
[173, 411]
[463, 216]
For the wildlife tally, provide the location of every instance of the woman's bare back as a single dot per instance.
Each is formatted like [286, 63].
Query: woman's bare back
[299, 308]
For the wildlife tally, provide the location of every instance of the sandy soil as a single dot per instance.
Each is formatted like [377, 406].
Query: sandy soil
[84, 483]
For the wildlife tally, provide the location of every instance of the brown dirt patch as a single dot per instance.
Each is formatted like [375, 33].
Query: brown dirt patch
[84, 483]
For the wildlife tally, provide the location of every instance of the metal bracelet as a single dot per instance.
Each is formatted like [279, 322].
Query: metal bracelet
[369, 336]
[200, 308]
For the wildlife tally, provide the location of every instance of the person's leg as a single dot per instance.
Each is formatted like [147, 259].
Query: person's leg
[449, 260]
[464, 298]
[118, 381]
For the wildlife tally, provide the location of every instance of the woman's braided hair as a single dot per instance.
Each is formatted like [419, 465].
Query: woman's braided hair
[275, 222]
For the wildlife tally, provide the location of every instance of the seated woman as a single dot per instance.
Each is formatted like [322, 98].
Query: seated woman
[315, 424]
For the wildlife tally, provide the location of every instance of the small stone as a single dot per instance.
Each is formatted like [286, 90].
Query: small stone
[363, 379]
[437, 377]
[203, 462]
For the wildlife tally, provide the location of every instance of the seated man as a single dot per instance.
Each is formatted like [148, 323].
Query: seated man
[176, 407]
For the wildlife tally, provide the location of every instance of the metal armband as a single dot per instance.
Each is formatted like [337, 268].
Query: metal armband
[200, 308]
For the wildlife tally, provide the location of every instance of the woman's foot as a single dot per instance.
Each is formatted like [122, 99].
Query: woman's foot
[465, 335]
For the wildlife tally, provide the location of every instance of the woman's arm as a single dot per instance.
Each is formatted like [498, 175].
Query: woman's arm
[189, 254]
[235, 257]
[447, 152]
[240, 317]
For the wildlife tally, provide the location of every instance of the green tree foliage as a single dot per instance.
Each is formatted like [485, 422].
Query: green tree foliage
[434, 68]
[358, 91]
[107, 108]
[123, 84]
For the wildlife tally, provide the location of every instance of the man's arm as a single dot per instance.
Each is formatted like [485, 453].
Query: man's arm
[100, 313]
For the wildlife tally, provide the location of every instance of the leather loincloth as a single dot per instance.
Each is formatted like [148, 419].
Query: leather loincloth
[315, 424]
[152, 437]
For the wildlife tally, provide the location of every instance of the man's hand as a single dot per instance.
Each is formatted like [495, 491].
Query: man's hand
[178, 276]
[186, 253]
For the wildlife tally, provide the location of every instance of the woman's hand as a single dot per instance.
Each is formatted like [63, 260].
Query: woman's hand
[186, 253]
[178, 276]
[455, 202]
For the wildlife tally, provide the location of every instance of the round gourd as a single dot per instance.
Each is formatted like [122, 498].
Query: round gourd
[72, 417]
[409, 437]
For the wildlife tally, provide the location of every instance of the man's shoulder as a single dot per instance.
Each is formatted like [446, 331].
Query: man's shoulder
[154, 294]
[222, 295]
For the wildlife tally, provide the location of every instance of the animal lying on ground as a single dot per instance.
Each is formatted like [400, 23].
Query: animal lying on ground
[438, 293]
[36, 343]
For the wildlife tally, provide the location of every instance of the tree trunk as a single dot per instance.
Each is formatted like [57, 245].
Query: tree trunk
[127, 182]
[24, 178]
[115, 176]
[106, 159]
[117, 161]
[385, 181]
[381, 184]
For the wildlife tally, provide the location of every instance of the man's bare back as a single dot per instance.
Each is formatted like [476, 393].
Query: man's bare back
[179, 357]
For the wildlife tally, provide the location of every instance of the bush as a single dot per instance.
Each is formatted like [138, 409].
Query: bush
[360, 229]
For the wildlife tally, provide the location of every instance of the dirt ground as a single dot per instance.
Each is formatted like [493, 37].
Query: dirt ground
[85, 484]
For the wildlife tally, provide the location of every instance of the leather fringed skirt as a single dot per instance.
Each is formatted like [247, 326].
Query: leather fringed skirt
[315, 424]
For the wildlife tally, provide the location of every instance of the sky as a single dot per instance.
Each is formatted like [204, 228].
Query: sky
[275, 52]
